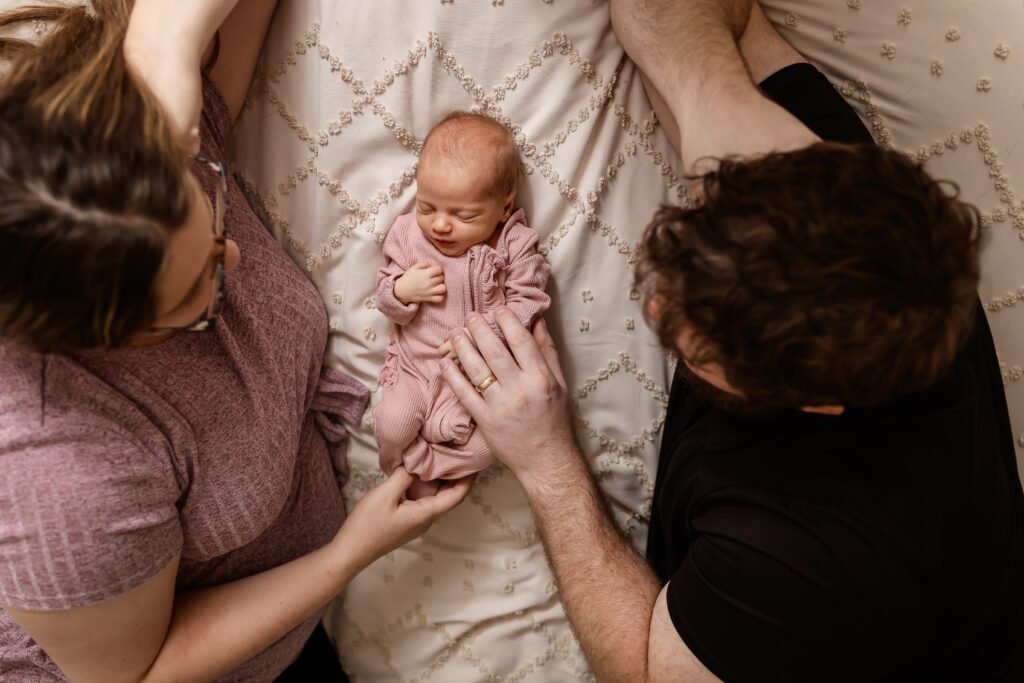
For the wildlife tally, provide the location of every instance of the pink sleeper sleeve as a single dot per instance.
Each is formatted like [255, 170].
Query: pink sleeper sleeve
[396, 262]
[525, 280]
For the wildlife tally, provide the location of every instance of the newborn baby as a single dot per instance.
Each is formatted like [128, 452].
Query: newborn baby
[462, 250]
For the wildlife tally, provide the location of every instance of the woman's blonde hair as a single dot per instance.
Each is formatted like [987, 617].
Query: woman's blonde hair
[92, 183]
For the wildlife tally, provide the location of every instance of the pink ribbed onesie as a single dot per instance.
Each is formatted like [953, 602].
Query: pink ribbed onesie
[419, 421]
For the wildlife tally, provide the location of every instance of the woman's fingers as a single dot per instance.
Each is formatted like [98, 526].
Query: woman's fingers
[397, 483]
[448, 496]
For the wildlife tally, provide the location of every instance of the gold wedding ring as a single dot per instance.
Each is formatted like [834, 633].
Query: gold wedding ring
[491, 379]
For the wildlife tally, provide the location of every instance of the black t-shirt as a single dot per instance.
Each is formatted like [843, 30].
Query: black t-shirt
[882, 544]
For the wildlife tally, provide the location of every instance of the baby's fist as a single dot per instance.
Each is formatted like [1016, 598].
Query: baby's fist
[422, 283]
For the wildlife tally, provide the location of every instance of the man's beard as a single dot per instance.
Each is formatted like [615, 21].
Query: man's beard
[724, 401]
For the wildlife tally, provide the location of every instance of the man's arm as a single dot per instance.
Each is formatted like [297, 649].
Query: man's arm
[690, 54]
[610, 594]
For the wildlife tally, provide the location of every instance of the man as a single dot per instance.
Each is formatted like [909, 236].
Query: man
[837, 496]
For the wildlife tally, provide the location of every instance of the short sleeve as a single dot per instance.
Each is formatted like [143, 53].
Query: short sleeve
[807, 94]
[86, 513]
[778, 591]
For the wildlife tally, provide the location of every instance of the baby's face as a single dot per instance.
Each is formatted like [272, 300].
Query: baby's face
[456, 206]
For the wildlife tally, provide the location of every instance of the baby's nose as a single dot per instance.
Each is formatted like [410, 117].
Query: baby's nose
[441, 223]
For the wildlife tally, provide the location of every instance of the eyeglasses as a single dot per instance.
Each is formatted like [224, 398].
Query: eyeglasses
[210, 172]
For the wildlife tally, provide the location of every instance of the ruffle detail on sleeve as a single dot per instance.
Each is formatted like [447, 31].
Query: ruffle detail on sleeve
[493, 269]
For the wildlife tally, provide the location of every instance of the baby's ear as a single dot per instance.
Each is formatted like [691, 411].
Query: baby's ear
[506, 207]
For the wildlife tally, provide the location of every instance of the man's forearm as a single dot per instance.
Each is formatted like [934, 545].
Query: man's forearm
[607, 588]
[684, 47]
[690, 57]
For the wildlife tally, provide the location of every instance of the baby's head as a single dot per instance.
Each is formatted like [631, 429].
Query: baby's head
[465, 182]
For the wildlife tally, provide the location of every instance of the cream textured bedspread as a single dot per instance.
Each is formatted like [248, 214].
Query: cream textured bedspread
[327, 150]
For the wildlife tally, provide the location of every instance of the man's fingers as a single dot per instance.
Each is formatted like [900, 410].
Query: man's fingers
[547, 349]
[520, 341]
[495, 356]
[477, 369]
[468, 396]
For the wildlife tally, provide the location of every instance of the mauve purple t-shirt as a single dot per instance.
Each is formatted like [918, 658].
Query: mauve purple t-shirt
[211, 445]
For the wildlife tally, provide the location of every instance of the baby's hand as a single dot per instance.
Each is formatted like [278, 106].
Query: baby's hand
[446, 350]
[423, 283]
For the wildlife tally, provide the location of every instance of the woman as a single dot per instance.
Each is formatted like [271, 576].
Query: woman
[168, 504]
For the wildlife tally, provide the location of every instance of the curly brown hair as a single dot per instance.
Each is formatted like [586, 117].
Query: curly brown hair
[832, 275]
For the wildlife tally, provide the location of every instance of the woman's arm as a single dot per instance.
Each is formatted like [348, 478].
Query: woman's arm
[166, 43]
[151, 634]
[241, 39]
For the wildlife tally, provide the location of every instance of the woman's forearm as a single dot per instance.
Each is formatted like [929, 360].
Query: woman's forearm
[214, 630]
[181, 29]
[152, 633]
[163, 49]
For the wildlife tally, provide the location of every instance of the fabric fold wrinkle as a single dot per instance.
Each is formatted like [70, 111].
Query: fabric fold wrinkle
[339, 397]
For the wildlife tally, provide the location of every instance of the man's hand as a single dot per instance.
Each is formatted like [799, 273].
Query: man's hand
[524, 416]
[422, 283]
[446, 350]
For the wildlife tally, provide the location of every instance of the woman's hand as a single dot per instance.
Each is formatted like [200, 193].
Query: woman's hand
[524, 415]
[384, 520]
